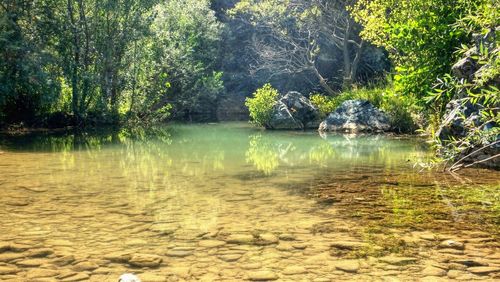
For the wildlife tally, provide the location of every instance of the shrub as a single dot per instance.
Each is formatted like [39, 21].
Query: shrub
[262, 104]
[324, 104]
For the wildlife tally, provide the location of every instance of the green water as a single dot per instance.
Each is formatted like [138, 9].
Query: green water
[99, 202]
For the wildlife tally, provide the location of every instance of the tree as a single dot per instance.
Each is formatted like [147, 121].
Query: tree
[418, 35]
[184, 50]
[28, 84]
[291, 35]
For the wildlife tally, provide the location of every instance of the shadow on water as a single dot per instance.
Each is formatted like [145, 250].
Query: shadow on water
[78, 140]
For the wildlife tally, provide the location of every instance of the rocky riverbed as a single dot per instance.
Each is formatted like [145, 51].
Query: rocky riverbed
[94, 215]
[250, 234]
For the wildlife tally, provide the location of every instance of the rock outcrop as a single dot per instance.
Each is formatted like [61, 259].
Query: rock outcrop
[462, 117]
[459, 115]
[356, 116]
[470, 69]
[294, 111]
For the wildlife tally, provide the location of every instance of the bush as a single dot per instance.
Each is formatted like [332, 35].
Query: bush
[324, 104]
[262, 104]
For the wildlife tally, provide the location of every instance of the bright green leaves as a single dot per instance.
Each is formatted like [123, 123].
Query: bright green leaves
[261, 105]
[417, 33]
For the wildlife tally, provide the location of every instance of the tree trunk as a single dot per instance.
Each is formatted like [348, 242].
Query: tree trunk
[347, 78]
[74, 65]
[355, 62]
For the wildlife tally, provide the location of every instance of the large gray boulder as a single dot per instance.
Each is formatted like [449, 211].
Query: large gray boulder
[356, 116]
[294, 111]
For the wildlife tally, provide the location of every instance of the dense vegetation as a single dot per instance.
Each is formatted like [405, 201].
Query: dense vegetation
[85, 62]
[103, 61]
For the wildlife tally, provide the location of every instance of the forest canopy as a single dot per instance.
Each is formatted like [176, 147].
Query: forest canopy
[102, 61]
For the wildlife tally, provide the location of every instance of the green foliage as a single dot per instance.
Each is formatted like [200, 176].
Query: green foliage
[418, 35]
[262, 104]
[176, 65]
[28, 76]
[479, 92]
[105, 61]
[324, 104]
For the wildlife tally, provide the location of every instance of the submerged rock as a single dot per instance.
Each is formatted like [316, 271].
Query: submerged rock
[262, 276]
[351, 266]
[128, 277]
[145, 260]
[433, 271]
[267, 239]
[451, 244]
[294, 111]
[85, 266]
[356, 116]
[240, 239]
[294, 270]
[484, 270]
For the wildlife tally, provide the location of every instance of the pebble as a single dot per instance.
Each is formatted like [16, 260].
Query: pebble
[433, 271]
[483, 270]
[285, 247]
[230, 257]
[351, 266]
[451, 244]
[299, 246]
[178, 253]
[145, 260]
[240, 239]
[118, 257]
[453, 274]
[267, 239]
[262, 275]
[85, 266]
[31, 262]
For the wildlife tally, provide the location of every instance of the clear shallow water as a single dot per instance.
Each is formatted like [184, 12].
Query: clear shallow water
[229, 202]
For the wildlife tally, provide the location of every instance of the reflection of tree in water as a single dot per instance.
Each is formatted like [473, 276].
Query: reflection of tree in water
[321, 154]
[78, 140]
[263, 154]
[268, 151]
